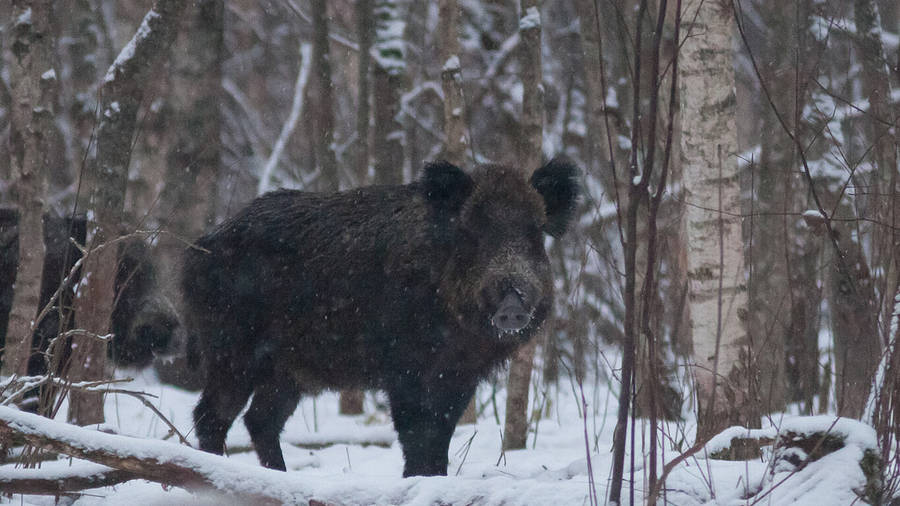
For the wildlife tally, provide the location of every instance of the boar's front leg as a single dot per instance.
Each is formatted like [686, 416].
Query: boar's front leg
[425, 415]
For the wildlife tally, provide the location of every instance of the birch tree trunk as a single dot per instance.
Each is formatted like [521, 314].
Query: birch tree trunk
[515, 431]
[32, 94]
[122, 95]
[718, 298]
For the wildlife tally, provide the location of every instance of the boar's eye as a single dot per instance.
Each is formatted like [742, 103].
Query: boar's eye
[557, 182]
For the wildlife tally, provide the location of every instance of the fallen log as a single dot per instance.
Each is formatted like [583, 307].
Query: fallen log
[158, 461]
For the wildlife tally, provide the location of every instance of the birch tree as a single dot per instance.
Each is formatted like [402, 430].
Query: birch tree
[515, 431]
[32, 98]
[718, 298]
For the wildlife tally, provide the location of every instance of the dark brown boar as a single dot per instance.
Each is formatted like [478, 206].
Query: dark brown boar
[420, 290]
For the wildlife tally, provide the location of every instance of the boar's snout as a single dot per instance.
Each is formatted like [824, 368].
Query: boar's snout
[512, 315]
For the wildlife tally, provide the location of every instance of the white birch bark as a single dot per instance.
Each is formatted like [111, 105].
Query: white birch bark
[718, 298]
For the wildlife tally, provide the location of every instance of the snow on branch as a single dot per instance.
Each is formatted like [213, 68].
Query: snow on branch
[287, 129]
[156, 32]
[152, 460]
[531, 19]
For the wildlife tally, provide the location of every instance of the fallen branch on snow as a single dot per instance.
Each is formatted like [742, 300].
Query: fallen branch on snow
[158, 461]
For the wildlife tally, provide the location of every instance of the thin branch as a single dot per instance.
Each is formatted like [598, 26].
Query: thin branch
[288, 128]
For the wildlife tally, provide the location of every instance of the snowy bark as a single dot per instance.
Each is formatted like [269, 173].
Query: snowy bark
[122, 93]
[162, 462]
[33, 90]
[718, 298]
[451, 73]
[515, 432]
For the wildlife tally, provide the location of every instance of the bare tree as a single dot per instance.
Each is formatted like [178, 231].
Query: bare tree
[882, 121]
[718, 298]
[122, 93]
[322, 98]
[515, 431]
[187, 203]
[387, 86]
[33, 95]
[364, 29]
[454, 122]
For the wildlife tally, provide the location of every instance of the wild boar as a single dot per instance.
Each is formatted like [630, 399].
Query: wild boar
[420, 290]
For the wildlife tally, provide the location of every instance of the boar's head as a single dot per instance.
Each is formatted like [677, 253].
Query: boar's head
[493, 223]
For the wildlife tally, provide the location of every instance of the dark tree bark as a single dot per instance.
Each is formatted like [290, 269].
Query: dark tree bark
[187, 205]
[364, 27]
[854, 321]
[33, 92]
[122, 93]
[884, 134]
[388, 82]
[322, 99]
[515, 432]
[454, 107]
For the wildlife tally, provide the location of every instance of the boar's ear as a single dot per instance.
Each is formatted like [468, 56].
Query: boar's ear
[557, 182]
[446, 185]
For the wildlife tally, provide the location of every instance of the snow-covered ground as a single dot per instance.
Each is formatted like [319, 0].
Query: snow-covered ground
[357, 460]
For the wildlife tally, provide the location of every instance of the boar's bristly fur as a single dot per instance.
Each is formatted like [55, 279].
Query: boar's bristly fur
[420, 290]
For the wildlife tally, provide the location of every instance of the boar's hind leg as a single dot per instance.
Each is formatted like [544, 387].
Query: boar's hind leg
[222, 400]
[425, 419]
[273, 403]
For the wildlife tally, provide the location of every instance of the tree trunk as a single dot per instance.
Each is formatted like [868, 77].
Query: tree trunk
[718, 297]
[33, 80]
[597, 143]
[882, 121]
[122, 95]
[454, 107]
[387, 86]
[351, 402]
[187, 204]
[364, 25]
[515, 432]
[322, 101]
[854, 322]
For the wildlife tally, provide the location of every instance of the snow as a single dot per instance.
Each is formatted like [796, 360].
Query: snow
[531, 19]
[24, 19]
[357, 459]
[452, 64]
[127, 52]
